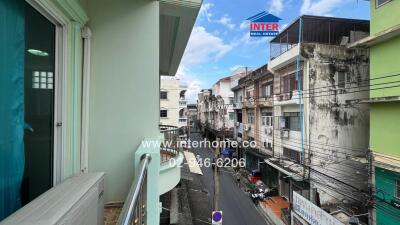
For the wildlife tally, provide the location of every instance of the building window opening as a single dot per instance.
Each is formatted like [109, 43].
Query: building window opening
[163, 95]
[163, 113]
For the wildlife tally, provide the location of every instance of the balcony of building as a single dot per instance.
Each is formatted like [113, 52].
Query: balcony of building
[266, 101]
[183, 117]
[182, 103]
[249, 102]
[284, 48]
[289, 98]
[182, 97]
[79, 199]
[237, 105]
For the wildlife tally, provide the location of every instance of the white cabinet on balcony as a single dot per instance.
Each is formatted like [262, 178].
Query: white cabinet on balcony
[76, 201]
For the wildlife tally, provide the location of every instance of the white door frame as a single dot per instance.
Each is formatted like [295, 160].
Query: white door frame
[86, 35]
[55, 17]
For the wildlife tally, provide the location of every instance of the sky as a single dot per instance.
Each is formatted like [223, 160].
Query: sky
[220, 40]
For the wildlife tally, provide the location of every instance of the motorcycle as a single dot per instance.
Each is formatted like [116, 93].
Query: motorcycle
[261, 193]
[257, 195]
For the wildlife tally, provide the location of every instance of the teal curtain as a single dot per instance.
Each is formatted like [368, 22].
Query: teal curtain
[12, 45]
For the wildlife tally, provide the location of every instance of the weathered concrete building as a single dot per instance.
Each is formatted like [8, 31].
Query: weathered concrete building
[203, 106]
[320, 130]
[192, 114]
[216, 106]
[173, 104]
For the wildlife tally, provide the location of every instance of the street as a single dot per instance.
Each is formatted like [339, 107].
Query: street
[237, 207]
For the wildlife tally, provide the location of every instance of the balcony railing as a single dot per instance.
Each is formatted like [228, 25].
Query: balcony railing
[170, 147]
[134, 210]
[265, 101]
[142, 203]
[182, 103]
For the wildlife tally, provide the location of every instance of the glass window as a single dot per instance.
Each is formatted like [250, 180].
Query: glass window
[341, 79]
[40, 42]
[398, 188]
[163, 113]
[266, 90]
[266, 118]
[291, 121]
[250, 116]
[291, 154]
[163, 95]
[289, 82]
[231, 116]
[231, 100]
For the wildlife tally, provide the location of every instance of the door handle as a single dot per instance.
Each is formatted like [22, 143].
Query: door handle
[28, 127]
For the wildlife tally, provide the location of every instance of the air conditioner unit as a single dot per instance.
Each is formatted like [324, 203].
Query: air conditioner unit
[268, 130]
[246, 127]
[237, 124]
[285, 133]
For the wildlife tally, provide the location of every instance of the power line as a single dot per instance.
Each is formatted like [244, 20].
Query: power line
[348, 92]
[259, 132]
[350, 82]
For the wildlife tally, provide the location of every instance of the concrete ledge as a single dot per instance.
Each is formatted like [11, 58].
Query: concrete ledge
[377, 38]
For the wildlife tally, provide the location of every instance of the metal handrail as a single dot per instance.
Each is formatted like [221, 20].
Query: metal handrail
[135, 203]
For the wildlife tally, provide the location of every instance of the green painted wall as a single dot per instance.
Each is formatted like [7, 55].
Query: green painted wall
[385, 128]
[124, 97]
[385, 16]
[384, 58]
[385, 188]
[385, 116]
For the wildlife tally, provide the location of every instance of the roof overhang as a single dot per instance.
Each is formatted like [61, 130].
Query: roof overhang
[177, 18]
[272, 162]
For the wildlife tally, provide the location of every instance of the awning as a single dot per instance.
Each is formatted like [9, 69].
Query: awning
[294, 176]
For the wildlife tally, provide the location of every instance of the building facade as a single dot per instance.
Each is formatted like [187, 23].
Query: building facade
[173, 104]
[192, 114]
[320, 132]
[216, 106]
[253, 116]
[384, 102]
[203, 107]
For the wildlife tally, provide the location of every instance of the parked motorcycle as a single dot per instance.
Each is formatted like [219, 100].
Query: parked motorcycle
[261, 193]
[258, 194]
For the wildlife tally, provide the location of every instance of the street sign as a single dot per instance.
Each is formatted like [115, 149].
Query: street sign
[216, 218]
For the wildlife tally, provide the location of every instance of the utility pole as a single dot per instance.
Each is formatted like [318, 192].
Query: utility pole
[188, 123]
[216, 179]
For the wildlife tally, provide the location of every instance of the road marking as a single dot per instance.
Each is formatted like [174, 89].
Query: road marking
[192, 163]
